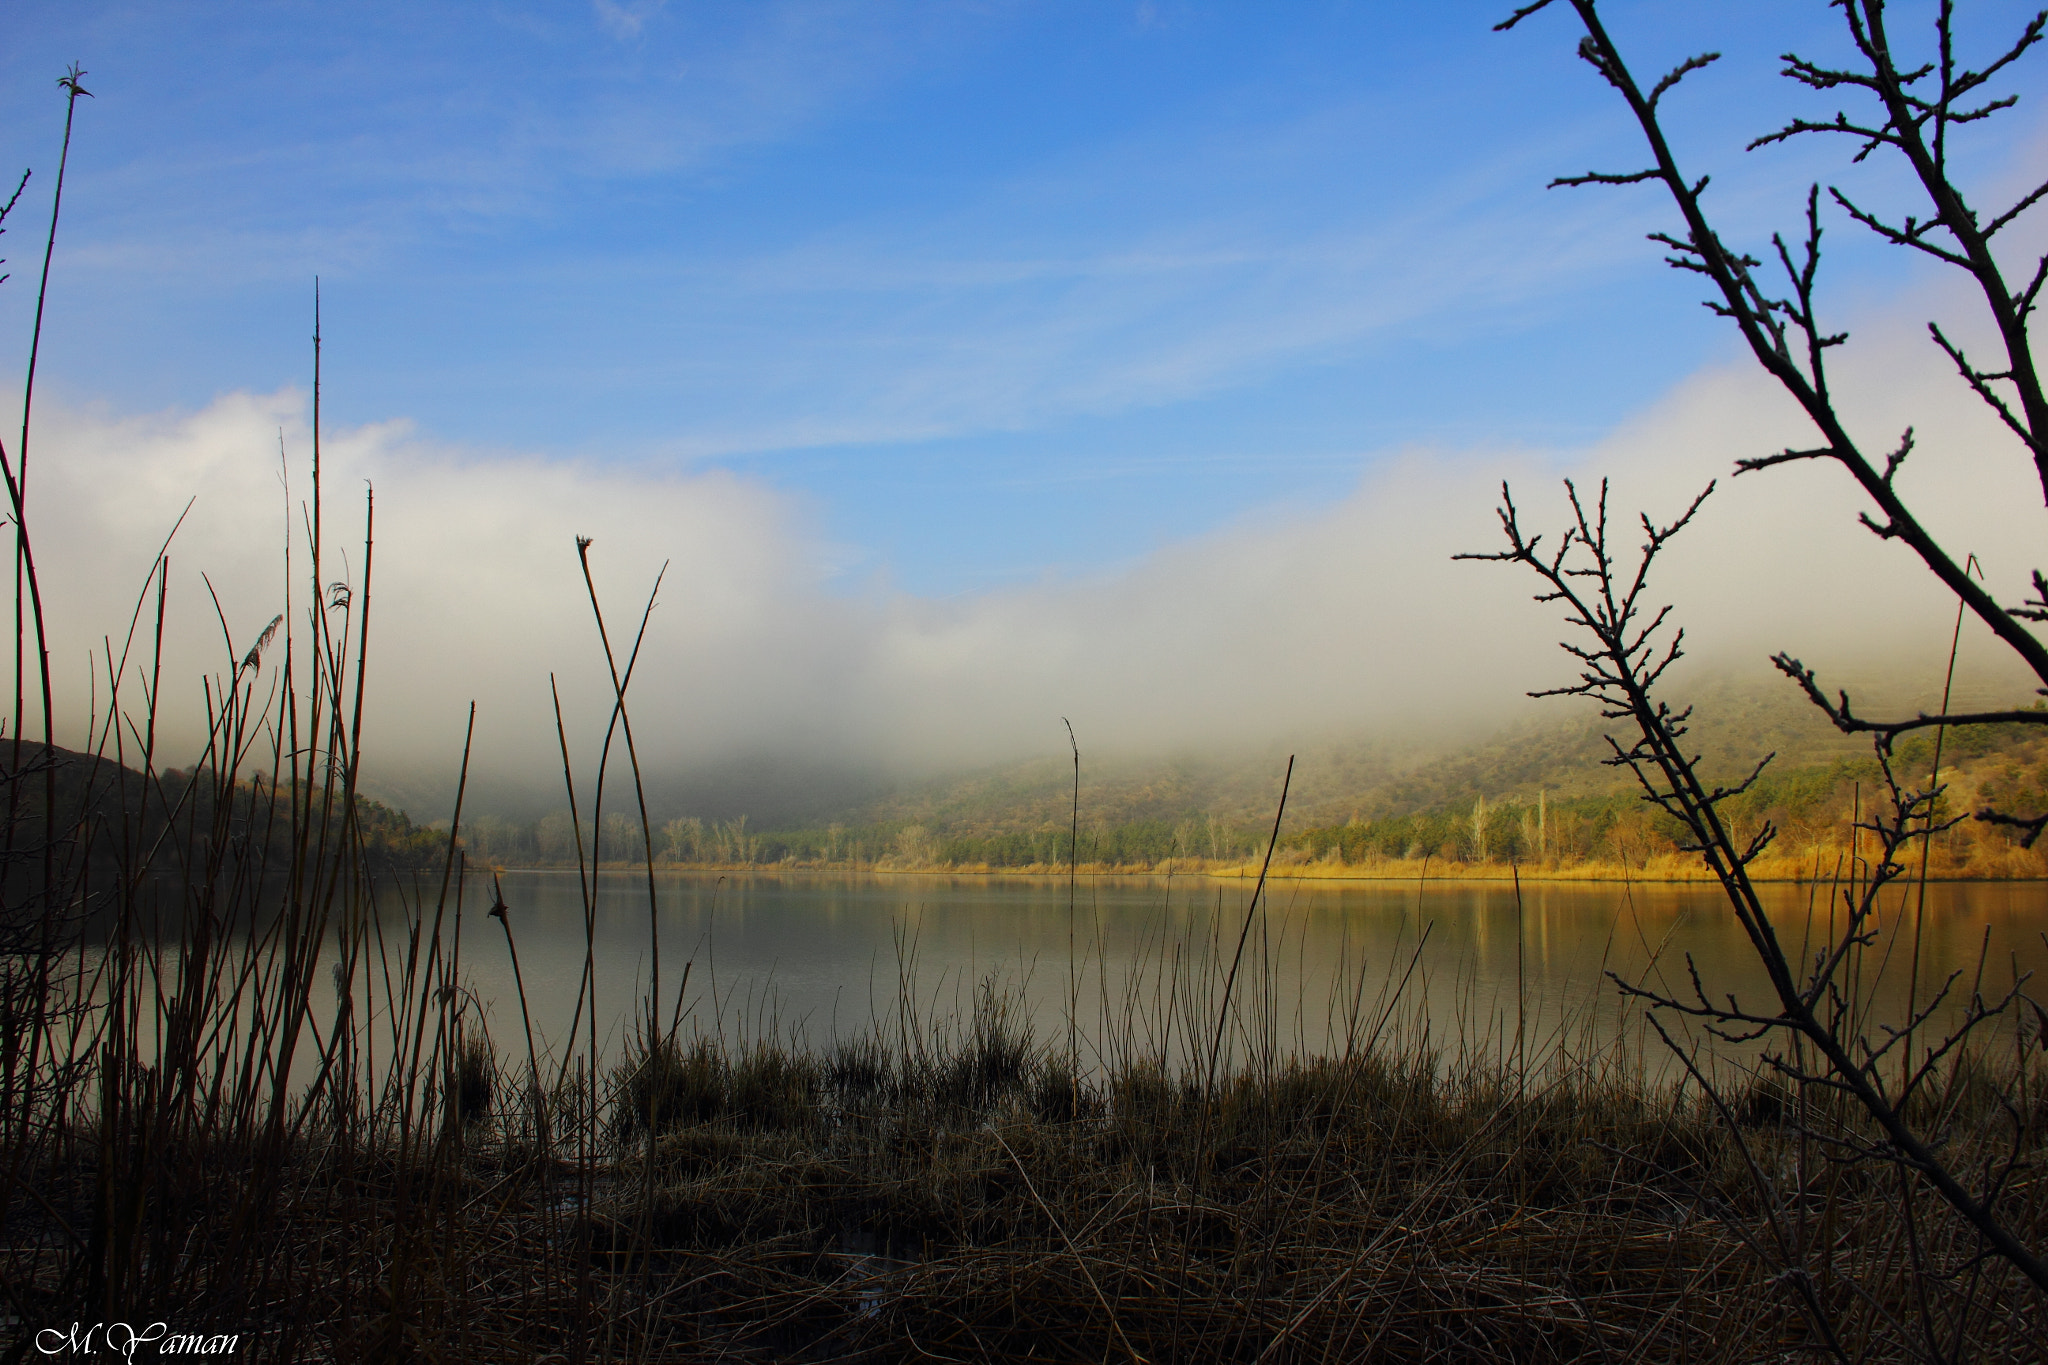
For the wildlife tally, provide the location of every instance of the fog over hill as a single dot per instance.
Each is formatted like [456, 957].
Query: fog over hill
[1557, 748]
[773, 685]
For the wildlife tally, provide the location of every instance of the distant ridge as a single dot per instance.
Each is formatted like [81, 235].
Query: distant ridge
[1419, 798]
[1559, 750]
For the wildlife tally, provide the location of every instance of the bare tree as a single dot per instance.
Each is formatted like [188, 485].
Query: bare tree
[1873, 1084]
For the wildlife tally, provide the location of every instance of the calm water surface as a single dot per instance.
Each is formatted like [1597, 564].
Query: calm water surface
[824, 956]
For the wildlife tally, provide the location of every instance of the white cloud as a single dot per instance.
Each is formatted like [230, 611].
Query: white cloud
[1291, 622]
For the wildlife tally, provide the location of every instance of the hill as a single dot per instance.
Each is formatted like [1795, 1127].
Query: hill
[1536, 792]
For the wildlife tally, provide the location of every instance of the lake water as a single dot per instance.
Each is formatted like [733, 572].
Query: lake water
[1143, 960]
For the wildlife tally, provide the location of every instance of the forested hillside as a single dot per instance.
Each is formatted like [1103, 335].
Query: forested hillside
[1538, 796]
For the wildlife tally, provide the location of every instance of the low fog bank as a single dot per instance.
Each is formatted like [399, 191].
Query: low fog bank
[765, 686]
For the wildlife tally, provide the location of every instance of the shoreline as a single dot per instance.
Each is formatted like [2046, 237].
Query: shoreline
[1466, 873]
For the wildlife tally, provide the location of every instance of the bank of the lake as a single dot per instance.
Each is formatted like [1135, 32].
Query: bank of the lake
[1830, 865]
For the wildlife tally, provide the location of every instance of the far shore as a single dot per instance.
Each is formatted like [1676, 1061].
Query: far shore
[1660, 871]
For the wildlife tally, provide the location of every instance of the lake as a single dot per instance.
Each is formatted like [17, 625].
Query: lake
[823, 956]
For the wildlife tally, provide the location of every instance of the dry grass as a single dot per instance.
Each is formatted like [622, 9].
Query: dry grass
[967, 1197]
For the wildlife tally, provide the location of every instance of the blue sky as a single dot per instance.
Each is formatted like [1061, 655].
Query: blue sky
[994, 290]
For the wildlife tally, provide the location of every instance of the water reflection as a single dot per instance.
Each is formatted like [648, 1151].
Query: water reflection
[1141, 960]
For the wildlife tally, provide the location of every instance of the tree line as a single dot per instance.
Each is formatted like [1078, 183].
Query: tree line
[1815, 808]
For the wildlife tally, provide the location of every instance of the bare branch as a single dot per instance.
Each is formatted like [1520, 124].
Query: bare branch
[1898, 455]
[1844, 718]
[1626, 646]
[1753, 463]
[2033, 825]
[1980, 383]
[2023, 301]
[1872, 137]
[2026, 202]
[2034, 608]
[1519, 15]
[1913, 234]
[1605, 178]
[1970, 80]
[1983, 111]
[1680, 72]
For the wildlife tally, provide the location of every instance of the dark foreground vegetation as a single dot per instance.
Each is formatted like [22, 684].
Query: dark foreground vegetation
[958, 1191]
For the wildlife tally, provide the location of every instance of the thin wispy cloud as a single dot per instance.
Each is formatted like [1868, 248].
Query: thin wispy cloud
[882, 335]
[628, 19]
